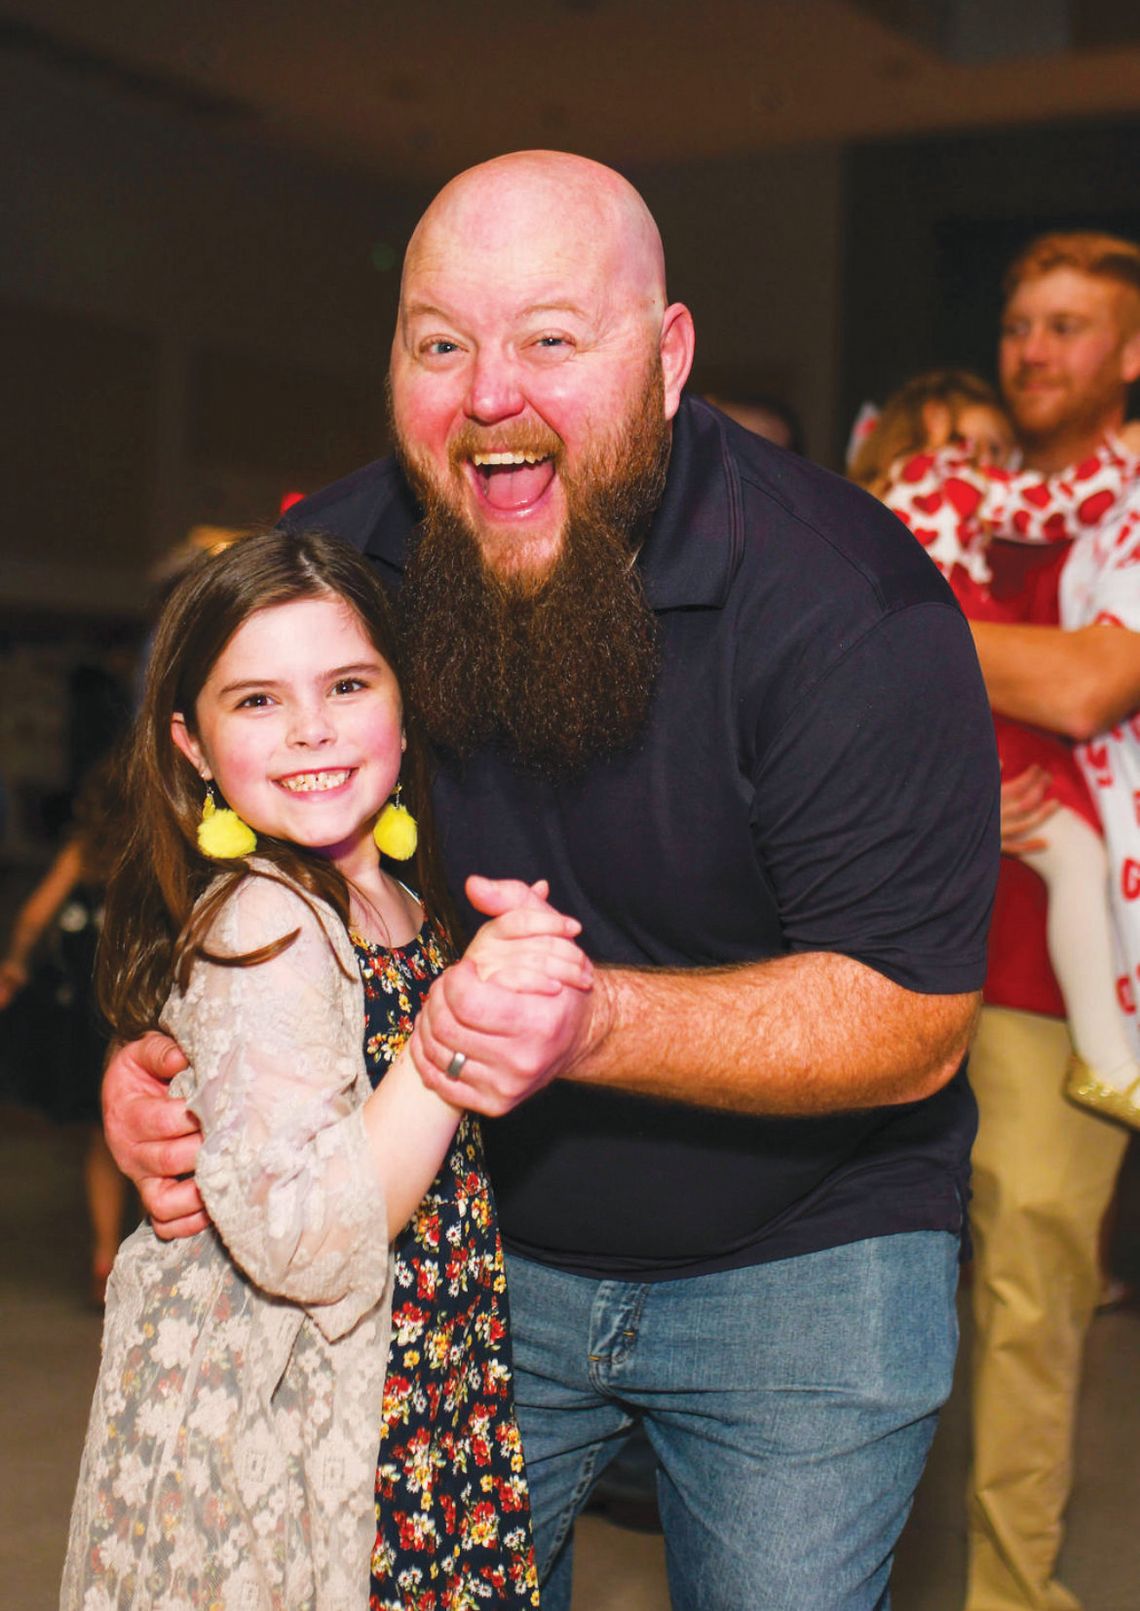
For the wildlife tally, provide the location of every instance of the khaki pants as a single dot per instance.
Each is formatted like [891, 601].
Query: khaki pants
[1043, 1176]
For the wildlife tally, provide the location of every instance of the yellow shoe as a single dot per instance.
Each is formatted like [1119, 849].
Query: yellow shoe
[1084, 1087]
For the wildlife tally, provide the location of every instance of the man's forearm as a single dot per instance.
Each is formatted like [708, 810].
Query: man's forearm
[812, 1033]
[1075, 683]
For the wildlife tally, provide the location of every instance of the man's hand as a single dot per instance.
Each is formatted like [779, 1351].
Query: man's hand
[518, 1027]
[154, 1138]
[1024, 808]
[1077, 683]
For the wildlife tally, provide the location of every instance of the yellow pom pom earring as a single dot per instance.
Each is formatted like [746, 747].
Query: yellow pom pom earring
[222, 835]
[395, 831]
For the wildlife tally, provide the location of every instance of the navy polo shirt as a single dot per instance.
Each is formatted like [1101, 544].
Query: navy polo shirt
[817, 773]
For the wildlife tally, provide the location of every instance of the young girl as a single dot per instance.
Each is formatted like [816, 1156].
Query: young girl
[935, 456]
[231, 1457]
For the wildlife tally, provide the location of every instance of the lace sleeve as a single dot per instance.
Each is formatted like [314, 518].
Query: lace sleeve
[277, 1081]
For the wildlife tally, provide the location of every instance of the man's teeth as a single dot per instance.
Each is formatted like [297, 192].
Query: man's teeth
[481, 460]
[314, 782]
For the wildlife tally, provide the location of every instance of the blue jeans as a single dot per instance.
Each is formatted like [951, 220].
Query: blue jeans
[791, 1407]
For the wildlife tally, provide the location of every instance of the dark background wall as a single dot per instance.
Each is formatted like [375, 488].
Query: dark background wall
[929, 225]
[200, 323]
[195, 322]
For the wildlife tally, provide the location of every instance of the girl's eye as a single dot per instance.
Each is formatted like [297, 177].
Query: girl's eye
[348, 685]
[254, 702]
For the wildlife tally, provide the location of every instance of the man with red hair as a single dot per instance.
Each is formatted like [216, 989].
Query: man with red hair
[1044, 1170]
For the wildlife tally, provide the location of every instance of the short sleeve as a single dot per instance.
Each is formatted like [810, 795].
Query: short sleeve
[877, 805]
[276, 1081]
[1100, 583]
[1116, 595]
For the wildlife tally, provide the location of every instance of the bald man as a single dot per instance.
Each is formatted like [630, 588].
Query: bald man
[723, 702]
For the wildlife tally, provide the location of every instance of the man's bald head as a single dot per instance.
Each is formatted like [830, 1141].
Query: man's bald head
[568, 203]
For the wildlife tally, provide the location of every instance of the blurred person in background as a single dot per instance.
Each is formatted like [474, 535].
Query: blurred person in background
[1044, 1170]
[769, 417]
[937, 458]
[67, 1042]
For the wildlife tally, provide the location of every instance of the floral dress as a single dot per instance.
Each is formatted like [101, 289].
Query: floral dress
[452, 1508]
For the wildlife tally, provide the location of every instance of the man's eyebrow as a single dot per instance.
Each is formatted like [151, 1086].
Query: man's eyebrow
[428, 310]
[554, 307]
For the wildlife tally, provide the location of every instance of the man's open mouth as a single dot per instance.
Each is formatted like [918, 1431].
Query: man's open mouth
[513, 480]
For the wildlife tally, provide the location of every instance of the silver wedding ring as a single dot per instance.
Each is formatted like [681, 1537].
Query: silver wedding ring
[455, 1068]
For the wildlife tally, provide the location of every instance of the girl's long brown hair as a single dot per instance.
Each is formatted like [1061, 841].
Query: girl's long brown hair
[900, 429]
[156, 917]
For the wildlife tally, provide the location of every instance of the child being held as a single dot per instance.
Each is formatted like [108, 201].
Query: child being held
[937, 456]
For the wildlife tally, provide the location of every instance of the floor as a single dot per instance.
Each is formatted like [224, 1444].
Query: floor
[49, 1350]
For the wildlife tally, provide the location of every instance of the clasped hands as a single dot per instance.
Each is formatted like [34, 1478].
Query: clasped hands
[519, 1006]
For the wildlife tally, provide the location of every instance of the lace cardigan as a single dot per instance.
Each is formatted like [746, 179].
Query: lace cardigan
[231, 1452]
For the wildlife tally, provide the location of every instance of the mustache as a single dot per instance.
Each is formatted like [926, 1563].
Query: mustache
[514, 436]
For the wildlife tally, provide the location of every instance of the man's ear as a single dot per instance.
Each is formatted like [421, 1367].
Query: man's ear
[1130, 359]
[678, 343]
[189, 745]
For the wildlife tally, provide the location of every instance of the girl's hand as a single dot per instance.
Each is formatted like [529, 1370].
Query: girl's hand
[528, 945]
[1024, 807]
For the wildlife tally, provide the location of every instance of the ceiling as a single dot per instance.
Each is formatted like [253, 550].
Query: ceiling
[415, 90]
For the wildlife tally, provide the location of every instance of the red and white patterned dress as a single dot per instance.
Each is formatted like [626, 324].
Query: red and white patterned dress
[1100, 585]
[955, 507]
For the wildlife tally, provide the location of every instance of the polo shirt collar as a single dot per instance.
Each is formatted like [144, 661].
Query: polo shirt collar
[696, 539]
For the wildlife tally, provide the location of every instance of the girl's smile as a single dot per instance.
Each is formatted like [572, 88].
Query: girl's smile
[300, 725]
[315, 782]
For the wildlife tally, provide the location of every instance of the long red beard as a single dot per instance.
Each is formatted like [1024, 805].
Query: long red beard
[557, 669]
